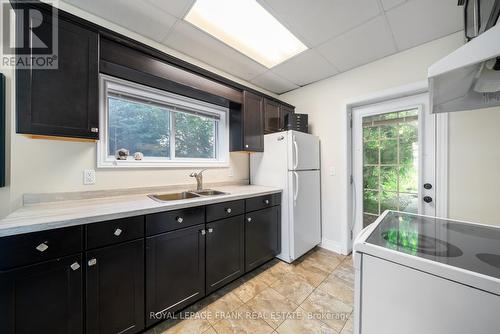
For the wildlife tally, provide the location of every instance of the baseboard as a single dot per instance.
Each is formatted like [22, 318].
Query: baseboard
[333, 246]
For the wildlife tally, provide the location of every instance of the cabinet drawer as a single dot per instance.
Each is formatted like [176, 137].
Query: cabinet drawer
[262, 202]
[20, 250]
[114, 231]
[225, 210]
[173, 220]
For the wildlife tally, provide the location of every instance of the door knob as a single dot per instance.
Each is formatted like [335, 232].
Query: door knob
[427, 199]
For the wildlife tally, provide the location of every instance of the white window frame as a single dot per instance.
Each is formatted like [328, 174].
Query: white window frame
[105, 159]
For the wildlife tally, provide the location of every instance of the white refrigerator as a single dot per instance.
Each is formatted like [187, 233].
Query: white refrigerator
[291, 161]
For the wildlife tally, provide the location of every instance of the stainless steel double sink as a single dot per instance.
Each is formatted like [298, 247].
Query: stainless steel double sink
[186, 195]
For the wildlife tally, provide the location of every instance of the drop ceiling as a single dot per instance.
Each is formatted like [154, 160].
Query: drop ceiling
[340, 34]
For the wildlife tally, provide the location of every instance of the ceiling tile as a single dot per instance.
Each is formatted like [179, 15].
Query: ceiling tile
[388, 4]
[273, 83]
[307, 67]
[369, 42]
[137, 16]
[177, 8]
[420, 21]
[193, 42]
[317, 21]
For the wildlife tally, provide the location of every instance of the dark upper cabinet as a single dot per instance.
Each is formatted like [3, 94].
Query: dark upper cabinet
[225, 246]
[272, 116]
[175, 271]
[42, 298]
[253, 122]
[115, 289]
[62, 101]
[285, 114]
[262, 236]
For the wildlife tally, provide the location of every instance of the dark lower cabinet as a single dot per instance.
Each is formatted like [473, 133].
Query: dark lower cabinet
[175, 271]
[42, 298]
[115, 289]
[262, 236]
[225, 251]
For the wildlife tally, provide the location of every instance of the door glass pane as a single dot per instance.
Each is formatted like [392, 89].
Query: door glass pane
[390, 163]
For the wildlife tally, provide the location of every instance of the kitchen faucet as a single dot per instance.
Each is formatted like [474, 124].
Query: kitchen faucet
[199, 179]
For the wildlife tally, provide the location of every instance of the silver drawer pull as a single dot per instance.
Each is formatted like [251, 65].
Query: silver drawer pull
[210, 230]
[179, 219]
[266, 201]
[75, 266]
[118, 231]
[249, 219]
[92, 262]
[228, 210]
[94, 130]
[42, 247]
[203, 232]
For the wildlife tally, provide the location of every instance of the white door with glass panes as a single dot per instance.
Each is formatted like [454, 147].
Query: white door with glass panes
[393, 159]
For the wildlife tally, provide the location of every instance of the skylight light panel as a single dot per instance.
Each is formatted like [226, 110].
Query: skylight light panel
[246, 26]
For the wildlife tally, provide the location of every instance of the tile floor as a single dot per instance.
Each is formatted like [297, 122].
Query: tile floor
[313, 295]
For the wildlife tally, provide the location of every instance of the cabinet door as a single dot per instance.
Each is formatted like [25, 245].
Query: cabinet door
[62, 101]
[175, 271]
[262, 236]
[115, 289]
[253, 122]
[225, 251]
[272, 116]
[285, 116]
[42, 298]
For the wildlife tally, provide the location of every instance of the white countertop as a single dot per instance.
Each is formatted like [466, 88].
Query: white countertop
[51, 215]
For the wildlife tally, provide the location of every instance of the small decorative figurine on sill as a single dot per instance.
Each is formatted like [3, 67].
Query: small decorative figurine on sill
[122, 154]
[138, 156]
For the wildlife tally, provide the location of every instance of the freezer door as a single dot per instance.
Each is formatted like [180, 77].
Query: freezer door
[303, 151]
[304, 212]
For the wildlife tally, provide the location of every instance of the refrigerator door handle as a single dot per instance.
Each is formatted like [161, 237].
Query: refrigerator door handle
[296, 192]
[296, 155]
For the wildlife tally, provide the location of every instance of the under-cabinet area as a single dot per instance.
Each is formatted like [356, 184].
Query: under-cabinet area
[125, 275]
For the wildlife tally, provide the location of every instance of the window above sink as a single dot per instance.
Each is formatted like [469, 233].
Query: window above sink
[169, 130]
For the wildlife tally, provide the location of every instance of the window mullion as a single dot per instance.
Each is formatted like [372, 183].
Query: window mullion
[172, 135]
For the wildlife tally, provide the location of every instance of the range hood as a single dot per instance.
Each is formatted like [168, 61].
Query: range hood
[469, 78]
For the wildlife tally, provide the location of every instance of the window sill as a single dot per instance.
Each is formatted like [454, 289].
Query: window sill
[160, 164]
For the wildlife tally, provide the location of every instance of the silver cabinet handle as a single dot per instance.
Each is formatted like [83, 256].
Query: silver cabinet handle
[92, 262]
[42, 247]
[266, 202]
[94, 130]
[210, 230]
[75, 266]
[228, 210]
[203, 232]
[179, 219]
[118, 232]
[246, 146]
[249, 219]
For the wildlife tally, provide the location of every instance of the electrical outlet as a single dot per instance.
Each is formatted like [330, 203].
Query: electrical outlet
[231, 172]
[88, 176]
[332, 171]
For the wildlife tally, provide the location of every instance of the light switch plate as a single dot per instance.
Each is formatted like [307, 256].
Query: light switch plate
[88, 176]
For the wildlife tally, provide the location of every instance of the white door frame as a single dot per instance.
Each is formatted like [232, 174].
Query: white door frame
[441, 153]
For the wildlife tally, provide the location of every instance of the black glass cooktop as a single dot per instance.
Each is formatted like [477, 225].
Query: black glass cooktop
[467, 246]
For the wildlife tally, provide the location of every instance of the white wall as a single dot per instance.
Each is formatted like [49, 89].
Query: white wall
[39, 166]
[325, 102]
[474, 166]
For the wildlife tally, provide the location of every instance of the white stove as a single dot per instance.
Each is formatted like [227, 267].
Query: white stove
[417, 274]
